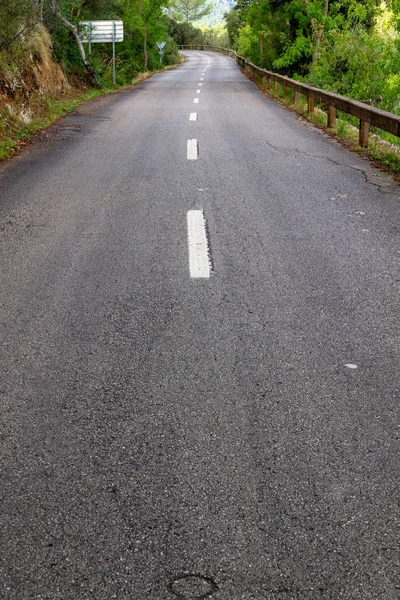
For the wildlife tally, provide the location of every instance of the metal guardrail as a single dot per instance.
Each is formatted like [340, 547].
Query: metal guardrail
[368, 115]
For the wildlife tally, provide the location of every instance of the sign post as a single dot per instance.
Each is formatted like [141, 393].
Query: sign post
[113, 43]
[161, 50]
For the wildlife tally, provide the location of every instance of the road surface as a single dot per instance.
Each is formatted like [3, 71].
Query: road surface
[200, 382]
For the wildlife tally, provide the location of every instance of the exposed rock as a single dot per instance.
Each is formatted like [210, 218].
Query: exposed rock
[31, 76]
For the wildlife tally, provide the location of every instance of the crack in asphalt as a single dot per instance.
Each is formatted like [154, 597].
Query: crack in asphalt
[380, 188]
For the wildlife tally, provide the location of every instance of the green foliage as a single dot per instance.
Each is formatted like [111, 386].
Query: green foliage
[16, 17]
[290, 32]
[361, 64]
[349, 46]
[215, 36]
[295, 52]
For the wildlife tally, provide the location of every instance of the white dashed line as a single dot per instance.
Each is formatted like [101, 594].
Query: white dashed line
[201, 78]
[197, 91]
[196, 100]
[192, 150]
[199, 262]
[200, 84]
[193, 117]
[351, 366]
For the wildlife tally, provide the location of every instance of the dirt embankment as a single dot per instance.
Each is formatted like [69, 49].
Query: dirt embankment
[28, 77]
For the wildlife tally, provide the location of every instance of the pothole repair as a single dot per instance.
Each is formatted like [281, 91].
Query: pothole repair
[192, 586]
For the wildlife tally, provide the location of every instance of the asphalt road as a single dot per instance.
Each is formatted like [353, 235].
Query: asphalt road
[177, 424]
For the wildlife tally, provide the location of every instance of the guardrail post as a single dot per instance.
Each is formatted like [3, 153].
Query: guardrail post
[276, 86]
[295, 96]
[310, 107]
[363, 134]
[331, 116]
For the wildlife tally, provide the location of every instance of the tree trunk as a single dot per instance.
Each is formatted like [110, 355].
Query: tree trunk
[40, 10]
[145, 46]
[319, 33]
[74, 30]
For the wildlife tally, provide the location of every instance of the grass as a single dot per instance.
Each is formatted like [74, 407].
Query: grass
[14, 133]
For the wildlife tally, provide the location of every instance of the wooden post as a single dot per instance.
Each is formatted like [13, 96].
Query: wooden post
[364, 134]
[285, 90]
[295, 96]
[276, 86]
[331, 116]
[310, 108]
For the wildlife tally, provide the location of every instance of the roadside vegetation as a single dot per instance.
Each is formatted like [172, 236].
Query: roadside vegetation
[351, 47]
[46, 71]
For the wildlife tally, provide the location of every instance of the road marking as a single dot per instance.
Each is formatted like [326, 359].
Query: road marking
[193, 117]
[200, 84]
[192, 149]
[197, 91]
[351, 366]
[199, 261]
[201, 78]
[196, 100]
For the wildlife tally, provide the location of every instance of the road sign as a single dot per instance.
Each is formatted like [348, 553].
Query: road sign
[161, 49]
[100, 32]
[103, 32]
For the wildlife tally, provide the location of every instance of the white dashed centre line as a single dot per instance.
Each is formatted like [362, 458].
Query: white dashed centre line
[193, 117]
[199, 262]
[196, 100]
[197, 91]
[192, 149]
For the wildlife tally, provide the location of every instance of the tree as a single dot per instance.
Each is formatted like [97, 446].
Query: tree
[290, 32]
[184, 33]
[56, 9]
[234, 22]
[147, 16]
[190, 10]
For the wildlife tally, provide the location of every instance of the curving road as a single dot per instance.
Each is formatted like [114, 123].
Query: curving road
[199, 376]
